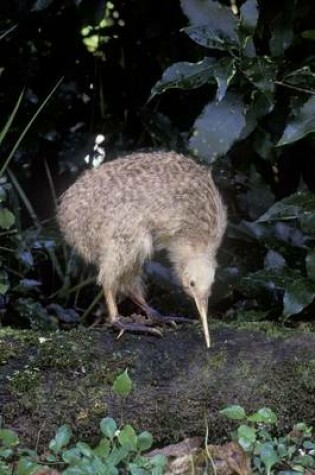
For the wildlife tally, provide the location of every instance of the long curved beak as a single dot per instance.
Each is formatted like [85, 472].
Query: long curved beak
[202, 306]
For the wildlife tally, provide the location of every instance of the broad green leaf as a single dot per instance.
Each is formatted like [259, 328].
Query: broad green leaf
[8, 438]
[122, 385]
[298, 295]
[213, 14]
[302, 124]
[26, 466]
[296, 206]
[268, 456]
[307, 224]
[264, 416]
[85, 449]
[185, 75]
[128, 437]
[234, 412]
[145, 441]
[71, 456]
[246, 436]
[7, 218]
[217, 128]
[310, 264]
[249, 15]
[261, 72]
[102, 450]
[209, 37]
[61, 439]
[223, 71]
[108, 427]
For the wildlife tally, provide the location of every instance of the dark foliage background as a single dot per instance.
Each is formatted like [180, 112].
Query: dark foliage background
[237, 89]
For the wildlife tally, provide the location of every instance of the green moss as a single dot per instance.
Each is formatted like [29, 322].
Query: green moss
[218, 360]
[24, 381]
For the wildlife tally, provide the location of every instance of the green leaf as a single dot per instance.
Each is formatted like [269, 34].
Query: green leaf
[268, 279]
[61, 439]
[234, 412]
[145, 441]
[246, 436]
[261, 72]
[8, 438]
[185, 75]
[264, 416]
[223, 72]
[85, 449]
[7, 218]
[108, 427]
[217, 128]
[71, 456]
[214, 15]
[302, 124]
[208, 37]
[102, 450]
[268, 456]
[310, 264]
[298, 295]
[249, 15]
[308, 34]
[26, 466]
[296, 206]
[122, 385]
[128, 437]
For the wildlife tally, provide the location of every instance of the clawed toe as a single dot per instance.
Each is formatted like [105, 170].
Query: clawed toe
[135, 327]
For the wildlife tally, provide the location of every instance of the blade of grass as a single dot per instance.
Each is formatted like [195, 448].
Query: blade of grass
[85, 283]
[7, 32]
[91, 306]
[7, 126]
[36, 221]
[27, 127]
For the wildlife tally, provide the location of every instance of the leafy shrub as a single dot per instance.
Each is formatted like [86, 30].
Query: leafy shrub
[118, 449]
[257, 76]
[288, 455]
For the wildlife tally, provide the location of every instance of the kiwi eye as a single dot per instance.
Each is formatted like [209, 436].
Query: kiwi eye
[192, 283]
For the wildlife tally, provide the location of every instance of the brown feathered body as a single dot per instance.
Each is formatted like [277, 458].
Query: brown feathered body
[120, 213]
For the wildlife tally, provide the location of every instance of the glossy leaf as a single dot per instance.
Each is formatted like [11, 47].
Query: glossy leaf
[217, 128]
[145, 441]
[302, 124]
[296, 206]
[7, 218]
[8, 438]
[261, 72]
[246, 436]
[268, 456]
[122, 385]
[185, 75]
[218, 17]
[61, 439]
[264, 416]
[108, 427]
[281, 36]
[128, 437]
[207, 36]
[249, 15]
[234, 412]
[223, 71]
[298, 295]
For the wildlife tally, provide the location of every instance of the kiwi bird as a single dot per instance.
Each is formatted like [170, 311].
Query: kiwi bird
[119, 214]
